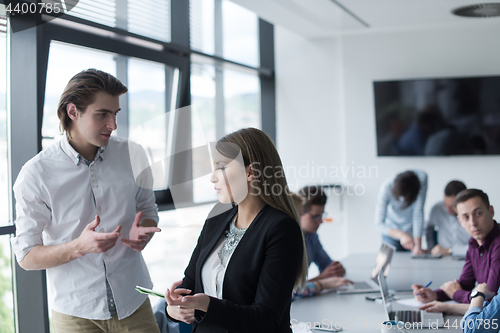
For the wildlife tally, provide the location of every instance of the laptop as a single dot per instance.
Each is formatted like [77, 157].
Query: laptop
[416, 319]
[382, 264]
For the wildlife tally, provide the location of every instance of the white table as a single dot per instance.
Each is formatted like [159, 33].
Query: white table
[353, 312]
[404, 270]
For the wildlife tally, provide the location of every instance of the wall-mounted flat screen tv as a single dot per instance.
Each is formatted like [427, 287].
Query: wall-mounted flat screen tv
[434, 117]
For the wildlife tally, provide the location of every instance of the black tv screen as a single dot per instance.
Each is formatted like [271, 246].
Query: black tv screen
[433, 117]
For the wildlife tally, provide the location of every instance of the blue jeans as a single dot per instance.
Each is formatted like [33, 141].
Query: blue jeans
[394, 242]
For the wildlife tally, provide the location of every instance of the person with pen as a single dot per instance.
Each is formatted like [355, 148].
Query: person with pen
[482, 261]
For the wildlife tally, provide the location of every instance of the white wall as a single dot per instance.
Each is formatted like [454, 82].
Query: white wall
[309, 119]
[342, 116]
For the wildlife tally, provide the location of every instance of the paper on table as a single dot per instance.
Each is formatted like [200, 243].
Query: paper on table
[411, 302]
[416, 304]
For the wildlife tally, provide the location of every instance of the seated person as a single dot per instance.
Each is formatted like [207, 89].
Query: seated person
[482, 261]
[314, 287]
[478, 319]
[452, 238]
[310, 220]
[399, 214]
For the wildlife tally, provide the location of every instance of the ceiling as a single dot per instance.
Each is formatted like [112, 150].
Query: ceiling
[323, 18]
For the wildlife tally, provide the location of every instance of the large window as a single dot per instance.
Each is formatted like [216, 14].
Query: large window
[224, 95]
[225, 29]
[152, 95]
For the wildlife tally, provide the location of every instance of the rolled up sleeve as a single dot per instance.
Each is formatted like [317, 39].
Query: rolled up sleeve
[32, 214]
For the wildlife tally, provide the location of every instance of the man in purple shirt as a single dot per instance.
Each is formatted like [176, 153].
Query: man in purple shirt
[482, 261]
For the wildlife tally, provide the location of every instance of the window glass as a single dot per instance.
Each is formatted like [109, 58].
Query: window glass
[99, 11]
[4, 174]
[6, 297]
[59, 71]
[3, 19]
[201, 21]
[168, 254]
[203, 101]
[148, 96]
[150, 18]
[240, 34]
[241, 99]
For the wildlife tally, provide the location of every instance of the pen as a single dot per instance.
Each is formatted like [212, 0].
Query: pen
[428, 284]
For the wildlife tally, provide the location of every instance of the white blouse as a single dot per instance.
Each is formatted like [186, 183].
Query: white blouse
[212, 272]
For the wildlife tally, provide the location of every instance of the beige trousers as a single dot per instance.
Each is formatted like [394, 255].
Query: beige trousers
[141, 321]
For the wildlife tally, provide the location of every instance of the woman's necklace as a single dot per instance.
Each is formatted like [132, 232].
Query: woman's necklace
[231, 241]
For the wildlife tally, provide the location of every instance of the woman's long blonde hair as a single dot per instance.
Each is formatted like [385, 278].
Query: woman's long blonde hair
[259, 152]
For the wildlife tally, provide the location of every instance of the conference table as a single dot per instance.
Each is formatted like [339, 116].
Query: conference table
[354, 313]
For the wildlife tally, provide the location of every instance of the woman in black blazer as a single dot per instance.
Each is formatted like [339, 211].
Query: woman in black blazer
[250, 255]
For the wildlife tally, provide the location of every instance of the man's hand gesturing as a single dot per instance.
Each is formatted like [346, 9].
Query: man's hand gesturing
[91, 241]
[139, 236]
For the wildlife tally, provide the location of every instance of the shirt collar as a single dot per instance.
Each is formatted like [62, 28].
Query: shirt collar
[74, 155]
[489, 238]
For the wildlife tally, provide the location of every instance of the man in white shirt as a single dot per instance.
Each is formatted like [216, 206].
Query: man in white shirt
[452, 238]
[74, 200]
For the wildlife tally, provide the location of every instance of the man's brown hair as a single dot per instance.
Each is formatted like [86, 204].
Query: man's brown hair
[81, 90]
[313, 195]
[406, 185]
[470, 193]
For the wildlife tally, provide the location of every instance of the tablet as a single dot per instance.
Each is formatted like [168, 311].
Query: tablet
[426, 256]
[148, 291]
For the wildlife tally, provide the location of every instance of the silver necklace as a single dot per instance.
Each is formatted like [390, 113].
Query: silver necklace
[231, 241]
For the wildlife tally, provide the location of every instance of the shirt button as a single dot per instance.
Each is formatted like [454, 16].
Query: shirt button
[480, 254]
[111, 300]
[92, 170]
[99, 208]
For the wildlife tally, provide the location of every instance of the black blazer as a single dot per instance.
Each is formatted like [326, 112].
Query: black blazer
[259, 278]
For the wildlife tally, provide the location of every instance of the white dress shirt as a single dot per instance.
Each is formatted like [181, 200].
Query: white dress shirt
[57, 196]
[450, 233]
[390, 214]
